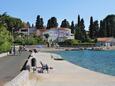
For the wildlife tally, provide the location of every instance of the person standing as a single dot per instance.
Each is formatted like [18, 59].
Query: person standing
[20, 50]
[14, 50]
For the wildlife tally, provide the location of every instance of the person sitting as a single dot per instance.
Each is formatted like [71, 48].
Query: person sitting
[44, 67]
[35, 51]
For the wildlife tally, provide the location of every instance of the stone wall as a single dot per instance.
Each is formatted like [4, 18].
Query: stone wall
[20, 80]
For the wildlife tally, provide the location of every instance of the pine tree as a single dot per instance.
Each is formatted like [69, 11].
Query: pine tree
[49, 24]
[79, 20]
[107, 26]
[39, 22]
[96, 29]
[91, 35]
[32, 25]
[80, 32]
[52, 23]
[102, 30]
[65, 24]
[28, 24]
[82, 27]
[72, 27]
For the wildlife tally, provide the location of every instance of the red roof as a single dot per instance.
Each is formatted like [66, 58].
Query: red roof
[105, 39]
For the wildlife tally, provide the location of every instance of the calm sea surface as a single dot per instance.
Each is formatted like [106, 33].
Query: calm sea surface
[99, 61]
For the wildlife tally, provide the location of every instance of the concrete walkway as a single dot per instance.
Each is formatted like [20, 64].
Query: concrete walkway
[10, 66]
[67, 74]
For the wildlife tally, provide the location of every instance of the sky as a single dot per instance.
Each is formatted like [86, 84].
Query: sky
[27, 10]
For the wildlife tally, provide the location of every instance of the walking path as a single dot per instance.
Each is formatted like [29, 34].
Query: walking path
[10, 66]
[67, 74]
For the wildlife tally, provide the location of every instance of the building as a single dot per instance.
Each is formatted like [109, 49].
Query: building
[58, 34]
[106, 41]
[27, 31]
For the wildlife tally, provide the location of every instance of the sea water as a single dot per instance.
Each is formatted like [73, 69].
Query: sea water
[99, 61]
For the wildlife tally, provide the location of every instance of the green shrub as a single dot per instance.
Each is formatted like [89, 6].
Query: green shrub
[6, 46]
[30, 40]
[71, 42]
[5, 39]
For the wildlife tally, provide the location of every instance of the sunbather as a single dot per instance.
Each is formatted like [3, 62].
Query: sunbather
[44, 66]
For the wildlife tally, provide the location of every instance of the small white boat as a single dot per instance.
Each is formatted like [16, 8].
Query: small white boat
[56, 57]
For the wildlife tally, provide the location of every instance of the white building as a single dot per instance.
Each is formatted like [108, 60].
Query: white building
[58, 34]
[106, 41]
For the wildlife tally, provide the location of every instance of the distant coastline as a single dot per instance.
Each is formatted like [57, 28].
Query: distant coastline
[45, 49]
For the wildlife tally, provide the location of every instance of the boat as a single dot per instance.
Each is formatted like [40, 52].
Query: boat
[56, 57]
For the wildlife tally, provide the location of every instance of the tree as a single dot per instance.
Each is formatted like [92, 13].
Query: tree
[32, 25]
[49, 24]
[95, 29]
[107, 26]
[91, 35]
[79, 20]
[72, 27]
[39, 22]
[102, 30]
[52, 23]
[80, 32]
[5, 39]
[28, 24]
[10, 22]
[65, 24]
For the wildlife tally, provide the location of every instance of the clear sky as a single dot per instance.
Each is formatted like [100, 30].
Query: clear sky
[28, 10]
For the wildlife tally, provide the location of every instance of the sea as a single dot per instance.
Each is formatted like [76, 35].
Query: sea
[98, 61]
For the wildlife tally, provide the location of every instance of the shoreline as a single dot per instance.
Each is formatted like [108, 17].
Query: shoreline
[64, 73]
[70, 48]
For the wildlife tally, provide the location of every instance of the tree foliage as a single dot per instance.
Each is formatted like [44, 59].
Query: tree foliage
[10, 22]
[107, 26]
[93, 28]
[80, 33]
[28, 40]
[5, 39]
[65, 24]
[52, 23]
[28, 24]
[39, 22]
[72, 27]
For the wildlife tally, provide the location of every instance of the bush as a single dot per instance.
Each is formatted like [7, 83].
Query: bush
[6, 46]
[91, 41]
[5, 39]
[71, 41]
[28, 40]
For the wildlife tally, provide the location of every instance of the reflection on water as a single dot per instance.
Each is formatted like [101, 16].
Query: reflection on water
[100, 61]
